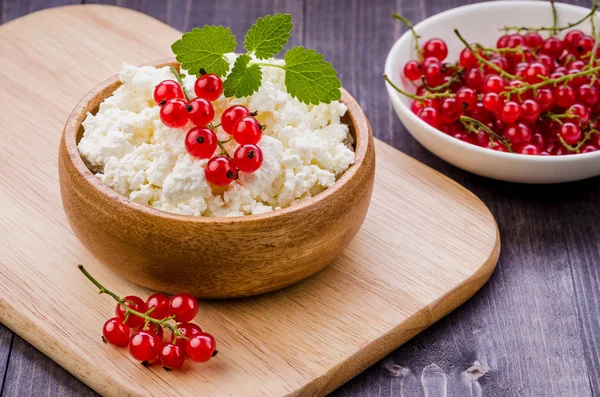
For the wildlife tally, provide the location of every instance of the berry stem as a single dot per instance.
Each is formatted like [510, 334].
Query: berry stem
[180, 81]
[163, 323]
[223, 150]
[547, 81]
[469, 122]
[417, 97]
[577, 147]
[414, 33]
[554, 18]
[485, 61]
[554, 29]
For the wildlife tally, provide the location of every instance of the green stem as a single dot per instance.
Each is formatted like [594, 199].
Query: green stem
[414, 33]
[163, 323]
[554, 18]
[567, 77]
[180, 81]
[417, 97]
[577, 147]
[472, 121]
[268, 65]
[223, 150]
[554, 28]
[485, 61]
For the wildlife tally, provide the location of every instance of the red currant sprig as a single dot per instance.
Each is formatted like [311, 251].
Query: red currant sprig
[147, 321]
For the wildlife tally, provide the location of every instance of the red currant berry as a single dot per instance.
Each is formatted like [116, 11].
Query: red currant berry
[431, 61]
[545, 98]
[581, 113]
[467, 98]
[570, 133]
[174, 114]
[220, 171]
[510, 112]
[247, 130]
[576, 81]
[172, 356]
[530, 111]
[585, 45]
[502, 41]
[183, 306]
[144, 345]
[564, 96]
[480, 113]
[500, 62]
[167, 90]
[188, 330]
[156, 330]
[434, 75]
[232, 115]
[518, 134]
[467, 59]
[413, 70]
[588, 148]
[571, 40]
[587, 95]
[430, 115]
[533, 40]
[416, 105]
[201, 142]
[493, 83]
[115, 332]
[208, 86]
[435, 48]
[539, 140]
[160, 303]
[135, 303]
[492, 102]
[530, 149]
[515, 40]
[201, 347]
[578, 64]
[450, 110]
[535, 72]
[546, 61]
[248, 158]
[553, 47]
[200, 111]
[474, 78]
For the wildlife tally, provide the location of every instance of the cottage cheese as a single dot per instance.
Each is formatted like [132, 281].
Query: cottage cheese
[305, 149]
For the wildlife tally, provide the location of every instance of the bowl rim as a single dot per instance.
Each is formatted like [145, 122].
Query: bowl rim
[363, 144]
[395, 96]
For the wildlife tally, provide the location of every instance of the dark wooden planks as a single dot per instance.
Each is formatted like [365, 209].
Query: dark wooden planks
[12, 9]
[6, 338]
[31, 373]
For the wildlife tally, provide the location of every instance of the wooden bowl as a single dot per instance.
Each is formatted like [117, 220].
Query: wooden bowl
[213, 257]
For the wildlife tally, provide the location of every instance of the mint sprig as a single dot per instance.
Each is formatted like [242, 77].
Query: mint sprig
[308, 77]
[204, 48]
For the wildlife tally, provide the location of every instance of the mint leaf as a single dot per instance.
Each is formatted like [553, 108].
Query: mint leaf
[203, 48]
[268, 35]
[244, 79]
[309, 78]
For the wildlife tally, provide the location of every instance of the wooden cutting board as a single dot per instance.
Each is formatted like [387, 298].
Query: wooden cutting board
[426, 246]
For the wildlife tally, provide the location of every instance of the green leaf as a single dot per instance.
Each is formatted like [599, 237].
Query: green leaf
[203, 48]
[309, 78]
[244, 79]
[269, 35]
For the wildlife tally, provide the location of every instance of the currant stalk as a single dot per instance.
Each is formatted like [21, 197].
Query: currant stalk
[469, 123]
[164, 323]
[485, 61]
[180, 81]
[417, 97]
[414, 33]
[554, 29]
[576, 148]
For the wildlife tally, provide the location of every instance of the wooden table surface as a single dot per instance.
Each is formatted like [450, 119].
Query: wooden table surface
[533, 330]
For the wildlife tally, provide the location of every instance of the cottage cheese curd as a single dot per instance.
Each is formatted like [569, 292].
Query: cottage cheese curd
[305, 149]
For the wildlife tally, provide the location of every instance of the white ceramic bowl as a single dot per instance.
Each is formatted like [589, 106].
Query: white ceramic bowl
[480, 23]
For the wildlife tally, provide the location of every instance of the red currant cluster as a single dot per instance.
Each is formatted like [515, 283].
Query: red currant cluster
[201, 140]
[140, 326]
[527, 94]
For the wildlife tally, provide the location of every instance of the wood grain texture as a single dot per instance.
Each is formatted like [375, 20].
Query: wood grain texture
[425, 247]
[548, 233]
[213, 257]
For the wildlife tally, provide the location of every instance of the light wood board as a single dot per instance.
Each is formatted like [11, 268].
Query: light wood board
[426, 246]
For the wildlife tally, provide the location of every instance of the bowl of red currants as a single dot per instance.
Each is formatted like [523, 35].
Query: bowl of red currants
[506, 90]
